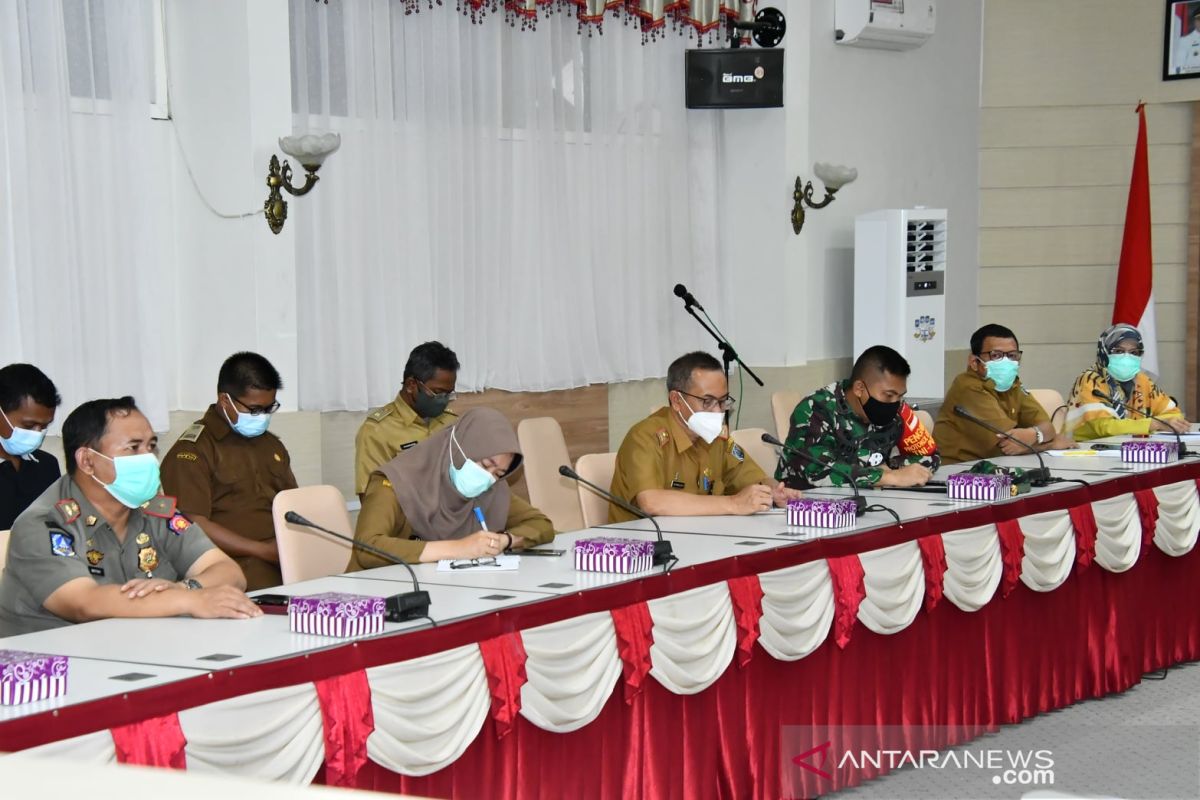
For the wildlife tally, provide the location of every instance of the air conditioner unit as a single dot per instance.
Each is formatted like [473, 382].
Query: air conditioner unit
[884, 24]
[900, 291]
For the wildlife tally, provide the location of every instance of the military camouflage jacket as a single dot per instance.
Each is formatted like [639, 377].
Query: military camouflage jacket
[826, 429]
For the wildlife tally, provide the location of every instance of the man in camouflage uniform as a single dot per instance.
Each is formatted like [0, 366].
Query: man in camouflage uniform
[859, 429]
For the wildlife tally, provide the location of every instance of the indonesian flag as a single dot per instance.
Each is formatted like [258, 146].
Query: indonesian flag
[1135, 276]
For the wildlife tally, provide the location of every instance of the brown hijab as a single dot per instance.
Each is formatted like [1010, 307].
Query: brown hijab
[420, 477]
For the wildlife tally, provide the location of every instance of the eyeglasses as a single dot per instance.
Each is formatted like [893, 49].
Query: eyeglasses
[468, 563]
[447, 396]
[1117, 351]
[998, 355]
[710, 403]
[255, 411]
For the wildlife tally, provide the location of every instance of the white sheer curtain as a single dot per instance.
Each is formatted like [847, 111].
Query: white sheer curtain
[527, 197]
[78, 277]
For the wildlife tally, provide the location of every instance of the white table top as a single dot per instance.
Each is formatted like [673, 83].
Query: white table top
[92, 679]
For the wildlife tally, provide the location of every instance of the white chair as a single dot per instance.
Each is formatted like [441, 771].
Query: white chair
[1052, 401]
[750, 440]
[545, 450]
[783, 403]
[597, 468]
[305, 553]
[926, 419]
[4, 548]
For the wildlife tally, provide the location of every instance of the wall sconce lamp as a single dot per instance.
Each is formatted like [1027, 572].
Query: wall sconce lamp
[311, 150]
[834, 176]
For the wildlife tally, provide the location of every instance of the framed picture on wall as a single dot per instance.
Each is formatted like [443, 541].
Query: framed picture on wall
[1181, 40]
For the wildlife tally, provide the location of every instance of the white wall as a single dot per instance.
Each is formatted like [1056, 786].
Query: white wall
[910, 123]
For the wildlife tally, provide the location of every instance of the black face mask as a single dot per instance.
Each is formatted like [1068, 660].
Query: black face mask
[428, 405]
[880, 413]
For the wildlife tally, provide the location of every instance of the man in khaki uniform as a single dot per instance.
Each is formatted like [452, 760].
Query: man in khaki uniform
[101, 542]
[226, 469]
[681, 460]
[990, 390]
[418, 411]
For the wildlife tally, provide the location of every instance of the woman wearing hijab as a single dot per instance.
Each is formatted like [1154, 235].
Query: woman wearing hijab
[424, 504]
[1098, 402]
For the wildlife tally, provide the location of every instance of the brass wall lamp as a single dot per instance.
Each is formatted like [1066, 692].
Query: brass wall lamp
[311, 150]
[834, 176]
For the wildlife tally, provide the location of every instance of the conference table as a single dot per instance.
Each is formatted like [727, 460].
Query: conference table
[740, 672]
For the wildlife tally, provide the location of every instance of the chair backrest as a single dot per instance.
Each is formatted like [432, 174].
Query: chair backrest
[783, 403]
[926, 419]
[545, 450]
[4, 548]
[597, 468]
[1052, 399]
[750, 440]
[304, 553]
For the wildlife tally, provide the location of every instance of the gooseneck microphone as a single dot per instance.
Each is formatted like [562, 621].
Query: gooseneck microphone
[663, 553]
[1112, 401]
[400, 607]
[860, 502]
[1037, 477]
[683, 294]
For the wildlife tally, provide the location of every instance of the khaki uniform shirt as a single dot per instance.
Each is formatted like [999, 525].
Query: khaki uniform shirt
[388, 430]
[216, 472]
[62, 536]
[657, 453]
[960, 439]
[383, 525]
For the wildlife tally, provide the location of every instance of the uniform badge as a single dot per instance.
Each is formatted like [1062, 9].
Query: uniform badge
[162, 507]
[147, 559]
[99, 571]
[706, 482]
[143, 538]
[408, 445]
[62, 543]
[662, 436]
[875, 459]
[737, 452]
[186, 456]
[179, 523]
[91, 520]
[68, 509]
[94, 557]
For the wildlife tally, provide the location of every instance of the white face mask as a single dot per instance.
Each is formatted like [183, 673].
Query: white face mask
[705, 424]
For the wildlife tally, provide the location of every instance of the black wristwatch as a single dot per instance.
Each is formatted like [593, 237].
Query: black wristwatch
[191, 583]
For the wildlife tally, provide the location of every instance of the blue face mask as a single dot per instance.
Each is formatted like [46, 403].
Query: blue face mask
[137, 479]
[23, 441]
[248, 425]
[1003, 373]
[470, 480]
[1122, 366]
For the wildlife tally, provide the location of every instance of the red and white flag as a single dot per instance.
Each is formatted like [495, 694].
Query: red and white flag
[1134, 303]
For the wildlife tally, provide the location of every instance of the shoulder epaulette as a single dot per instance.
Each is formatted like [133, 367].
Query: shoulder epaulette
[162, 506]
[192, 434]
[380, 413]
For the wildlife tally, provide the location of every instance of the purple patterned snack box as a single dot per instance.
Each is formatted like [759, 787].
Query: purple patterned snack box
[1149, 451]
[336, 614]
[821, 513]
[28, 677]
[973, 486]
[610, 554]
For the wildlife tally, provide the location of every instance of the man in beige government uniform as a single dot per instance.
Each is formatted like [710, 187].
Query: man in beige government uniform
[418, 411]
[101, 542]
[681, 460]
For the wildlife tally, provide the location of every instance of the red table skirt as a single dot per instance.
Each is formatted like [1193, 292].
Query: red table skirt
[1016, 657]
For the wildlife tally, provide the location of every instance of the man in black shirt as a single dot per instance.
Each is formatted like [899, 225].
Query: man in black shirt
[28, 401]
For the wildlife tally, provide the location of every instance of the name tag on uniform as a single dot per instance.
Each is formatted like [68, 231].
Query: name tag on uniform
[97, 571]
[408, 445]
[677, 484]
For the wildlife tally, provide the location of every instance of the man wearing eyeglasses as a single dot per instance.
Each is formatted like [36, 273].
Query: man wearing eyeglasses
[418, 411]
[226, 469]
[681, 460]
[990, 390]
